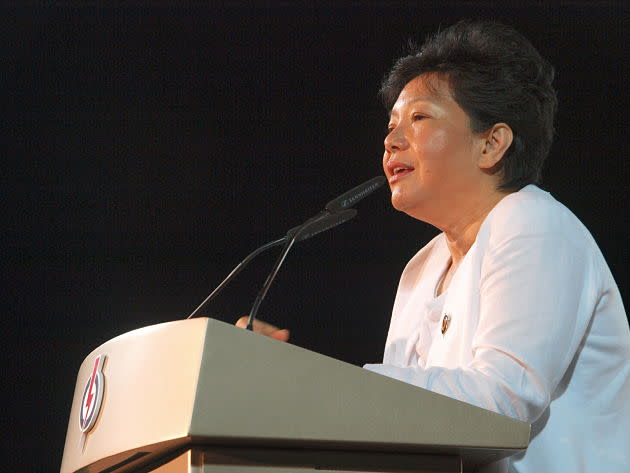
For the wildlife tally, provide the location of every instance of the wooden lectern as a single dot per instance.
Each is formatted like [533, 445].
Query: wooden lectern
[203, 396]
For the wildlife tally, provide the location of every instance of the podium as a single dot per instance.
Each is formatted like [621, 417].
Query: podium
[204, 396]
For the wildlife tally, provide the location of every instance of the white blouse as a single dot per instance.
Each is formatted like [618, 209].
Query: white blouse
[532, 326]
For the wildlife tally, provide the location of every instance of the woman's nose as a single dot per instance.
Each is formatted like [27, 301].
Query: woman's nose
[395, 140]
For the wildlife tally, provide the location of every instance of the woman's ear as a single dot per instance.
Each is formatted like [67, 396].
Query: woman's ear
[497, 141]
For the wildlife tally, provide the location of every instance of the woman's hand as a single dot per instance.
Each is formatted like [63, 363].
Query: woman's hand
[265, 329]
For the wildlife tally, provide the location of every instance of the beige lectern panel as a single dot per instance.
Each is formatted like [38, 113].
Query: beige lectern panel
[232, 460]
[259, 389]
[212, 460]
[150, 382]
[268, 469]
[202, 382]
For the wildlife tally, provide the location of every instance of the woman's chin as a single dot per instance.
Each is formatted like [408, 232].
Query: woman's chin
[398, 207]
[412, 207]
[400, 201]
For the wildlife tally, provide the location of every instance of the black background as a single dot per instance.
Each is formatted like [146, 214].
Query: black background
[148, 147]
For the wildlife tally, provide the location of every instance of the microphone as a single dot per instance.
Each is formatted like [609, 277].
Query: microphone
[340, 204]
[335, 213]
[354, 195]
[302, 232]
[315, 226]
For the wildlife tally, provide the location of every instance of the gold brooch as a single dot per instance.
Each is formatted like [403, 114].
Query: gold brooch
[446, 322]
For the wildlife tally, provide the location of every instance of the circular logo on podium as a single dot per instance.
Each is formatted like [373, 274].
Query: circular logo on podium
[92, 396]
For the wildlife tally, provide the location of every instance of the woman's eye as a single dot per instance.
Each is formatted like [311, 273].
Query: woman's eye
[417, 117]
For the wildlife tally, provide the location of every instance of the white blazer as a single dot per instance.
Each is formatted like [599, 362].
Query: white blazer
[535, 329]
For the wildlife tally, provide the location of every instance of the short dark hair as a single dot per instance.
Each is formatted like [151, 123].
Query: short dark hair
[495, 75]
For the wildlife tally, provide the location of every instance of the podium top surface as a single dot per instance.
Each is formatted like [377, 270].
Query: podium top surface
[208, 382]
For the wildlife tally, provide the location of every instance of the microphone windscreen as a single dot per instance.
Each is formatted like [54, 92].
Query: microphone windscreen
[354, 195]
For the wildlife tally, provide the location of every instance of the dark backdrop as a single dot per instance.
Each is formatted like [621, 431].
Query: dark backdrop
[148, 148]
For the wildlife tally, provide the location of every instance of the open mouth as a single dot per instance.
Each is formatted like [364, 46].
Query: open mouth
[398, 172]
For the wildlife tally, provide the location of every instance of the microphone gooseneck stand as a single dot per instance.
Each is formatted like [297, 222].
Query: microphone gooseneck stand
[310, 228]
[235, 271]
[336, 212]
[317, 224]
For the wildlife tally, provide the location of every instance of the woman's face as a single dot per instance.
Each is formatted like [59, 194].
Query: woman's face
[431, 154]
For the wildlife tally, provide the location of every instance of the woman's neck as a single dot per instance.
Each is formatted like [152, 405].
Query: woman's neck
[461, 234]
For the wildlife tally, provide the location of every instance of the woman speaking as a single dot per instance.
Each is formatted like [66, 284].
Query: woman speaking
[512, 307]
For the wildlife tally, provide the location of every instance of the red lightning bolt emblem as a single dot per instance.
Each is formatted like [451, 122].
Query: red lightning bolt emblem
[88, 403]
[92, 398]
